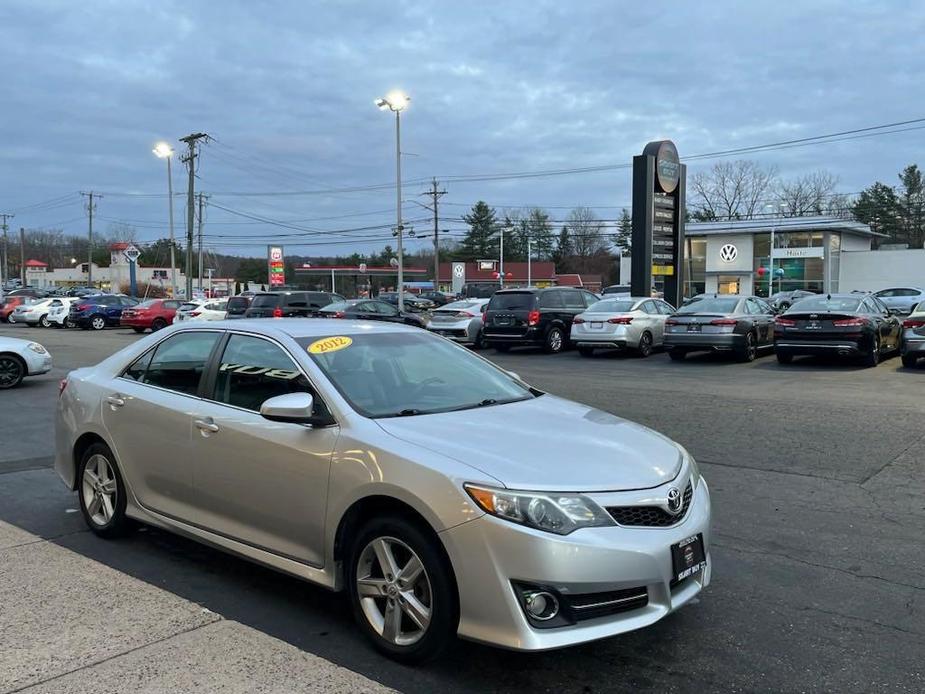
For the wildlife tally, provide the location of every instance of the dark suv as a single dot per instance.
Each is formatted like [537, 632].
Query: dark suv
[289, 304]
[237, 306]
[538, 317]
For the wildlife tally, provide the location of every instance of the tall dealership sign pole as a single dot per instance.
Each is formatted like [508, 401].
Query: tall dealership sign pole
[659, 182]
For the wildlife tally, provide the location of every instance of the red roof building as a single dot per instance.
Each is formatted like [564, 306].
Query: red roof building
[36, 264]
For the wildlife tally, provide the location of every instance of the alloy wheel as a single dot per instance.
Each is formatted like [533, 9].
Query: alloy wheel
[554, 341]
[44, 322]
[645, 345]
[98, 323]
[11, 371]
[99, 489]
[394, 591]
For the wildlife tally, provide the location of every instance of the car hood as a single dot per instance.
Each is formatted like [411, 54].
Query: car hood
[546, 444]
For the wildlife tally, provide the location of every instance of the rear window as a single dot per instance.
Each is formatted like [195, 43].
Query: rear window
[460, 306]
[265, 301]
[237, 302]
[821, 303]
[188, 306]
[716, 305]
[612, 306]
[515, 301]
[619, 289]
[339, 306]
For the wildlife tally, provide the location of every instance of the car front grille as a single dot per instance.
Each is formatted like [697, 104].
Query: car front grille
[651, 516]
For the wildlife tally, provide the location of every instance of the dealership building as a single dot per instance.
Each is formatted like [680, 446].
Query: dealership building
[819, 254]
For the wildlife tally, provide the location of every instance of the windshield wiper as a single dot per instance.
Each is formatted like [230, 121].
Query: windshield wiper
[488, 401]
[410, 412]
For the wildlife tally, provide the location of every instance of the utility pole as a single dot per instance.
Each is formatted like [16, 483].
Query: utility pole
[529, 261]
[436, 195]
[6, 267]
[190, 160]
[91, 208]
[22, 255]
[201, 199]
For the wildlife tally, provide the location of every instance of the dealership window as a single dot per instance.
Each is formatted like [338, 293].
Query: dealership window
[695, 267]
[834, 261]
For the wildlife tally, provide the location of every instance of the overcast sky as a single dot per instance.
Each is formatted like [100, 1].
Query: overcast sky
[287, 89]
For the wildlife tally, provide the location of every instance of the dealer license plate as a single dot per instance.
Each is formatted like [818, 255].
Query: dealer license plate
[596, 325]
[693, 328]
[687, 557]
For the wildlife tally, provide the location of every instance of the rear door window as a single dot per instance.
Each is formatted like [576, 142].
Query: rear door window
[551, 300]
[179, 361]
[574, 299]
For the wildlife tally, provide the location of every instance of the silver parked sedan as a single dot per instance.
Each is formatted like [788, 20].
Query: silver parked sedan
[442, 493]
[461, 321]
[636, 323]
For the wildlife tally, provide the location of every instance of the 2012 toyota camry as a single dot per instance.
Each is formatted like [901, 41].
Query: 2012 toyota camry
[444, 494]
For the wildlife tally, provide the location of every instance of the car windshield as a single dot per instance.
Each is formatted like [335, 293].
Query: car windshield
[265, 301]
[512, 301]
[822, 303]
[714, 305]
[410, 373]
[612, 306]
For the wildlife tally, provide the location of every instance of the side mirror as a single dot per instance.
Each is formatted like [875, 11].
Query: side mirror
[514, 375]
[484, 308]
[295, 408]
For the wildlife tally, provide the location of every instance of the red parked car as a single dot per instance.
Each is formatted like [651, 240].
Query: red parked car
[153, 313]
[9, 304]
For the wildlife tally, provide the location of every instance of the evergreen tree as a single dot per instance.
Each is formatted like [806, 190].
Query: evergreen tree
[878, 206]
[563, 250]
[623, 239]
[539, 229]
[480, 241]
[912, 206]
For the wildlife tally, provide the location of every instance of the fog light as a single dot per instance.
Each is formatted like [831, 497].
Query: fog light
[541, 605]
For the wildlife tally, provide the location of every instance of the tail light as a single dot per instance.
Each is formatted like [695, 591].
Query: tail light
[277, 312]
[62, 384]
[621, 320]
[723, 321]
[340, 314]
[533, 318]
[785, 322]
[913, 323]
[672, 321]
[82, 307]
[578, 319]
[194, 314]
[465, 314]
[850, 323]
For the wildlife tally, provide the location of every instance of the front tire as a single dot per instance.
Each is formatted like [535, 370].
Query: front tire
[12, 371]
[872, 358]
[102, 493]
[402, 589]
[749, 351]
[909, 360]
[555, 341]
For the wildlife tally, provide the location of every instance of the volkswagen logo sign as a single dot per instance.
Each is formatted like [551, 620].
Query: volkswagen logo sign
[675, 501]
[728, 253]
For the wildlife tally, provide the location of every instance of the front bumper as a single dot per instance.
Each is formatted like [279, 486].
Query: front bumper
[720, 342]
[489, 553]
[37, 364]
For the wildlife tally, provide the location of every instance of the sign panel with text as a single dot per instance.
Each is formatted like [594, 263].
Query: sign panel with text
[276, 268]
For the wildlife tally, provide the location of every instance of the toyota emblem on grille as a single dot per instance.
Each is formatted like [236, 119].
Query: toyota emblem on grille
[675, 501]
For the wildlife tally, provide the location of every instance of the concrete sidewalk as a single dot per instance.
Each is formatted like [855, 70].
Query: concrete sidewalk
[111, 632]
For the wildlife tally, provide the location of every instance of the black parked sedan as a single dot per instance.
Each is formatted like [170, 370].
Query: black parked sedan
[740, 325]
[370, 309]
[839, 324]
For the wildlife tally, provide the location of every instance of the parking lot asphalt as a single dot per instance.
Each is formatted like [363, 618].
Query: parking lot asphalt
[817, 471]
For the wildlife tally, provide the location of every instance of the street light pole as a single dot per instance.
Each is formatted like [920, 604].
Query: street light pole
[395, 102]
[501, 261]
[163, 151]
[529, 262]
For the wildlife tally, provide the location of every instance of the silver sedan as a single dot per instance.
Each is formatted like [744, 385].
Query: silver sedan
[913, 339]
[461, 321]
[636, 323]
[442, 493]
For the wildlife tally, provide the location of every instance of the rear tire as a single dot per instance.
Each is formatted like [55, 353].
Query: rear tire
[158, 324]
[749, 351]
[44, 322]
[784, 357]
[431, 594]
[502, 348]
[98, 322]
[677, 354]
[909, 360]
[102, 493]
[554, 342]
[480, 342]
[645, 345]
[586, 351]
[138, 330]
[872, 358]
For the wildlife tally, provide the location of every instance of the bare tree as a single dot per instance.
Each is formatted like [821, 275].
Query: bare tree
[807, 195]
[586, 232]
[732, 190]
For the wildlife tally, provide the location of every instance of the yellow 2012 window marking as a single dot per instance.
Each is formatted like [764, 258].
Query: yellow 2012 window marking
[329, 344]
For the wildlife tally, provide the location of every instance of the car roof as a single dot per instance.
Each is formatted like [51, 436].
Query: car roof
[302, 327]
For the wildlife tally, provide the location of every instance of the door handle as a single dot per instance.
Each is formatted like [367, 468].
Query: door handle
[115, 401]
[204, 425]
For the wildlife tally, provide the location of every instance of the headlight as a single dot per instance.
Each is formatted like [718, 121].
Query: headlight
[37, 348]
[554, 513]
